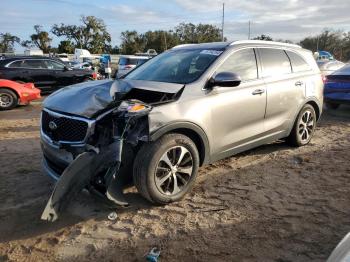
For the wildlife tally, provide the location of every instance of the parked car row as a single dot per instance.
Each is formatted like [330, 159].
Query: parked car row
[48, 74]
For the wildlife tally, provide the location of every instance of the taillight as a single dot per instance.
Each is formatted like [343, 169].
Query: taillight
[128, 67]
[94, 75]
[324, 79]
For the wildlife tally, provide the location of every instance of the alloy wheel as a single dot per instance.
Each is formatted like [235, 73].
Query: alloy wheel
[174, 170]
[5, 100]
[306, 126]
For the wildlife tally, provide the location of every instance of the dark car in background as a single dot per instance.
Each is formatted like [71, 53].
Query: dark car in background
[337, 88]
[48, 74]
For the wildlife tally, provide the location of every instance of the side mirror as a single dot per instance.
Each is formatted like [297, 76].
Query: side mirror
[225, 79]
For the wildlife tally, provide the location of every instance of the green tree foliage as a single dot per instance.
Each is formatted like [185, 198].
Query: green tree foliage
[66, 46]
[263, 37]
[7, 42]
[91, 35]
[132, 42]
[201, 33]
[161, 40]
[335, 42]
[39, 39]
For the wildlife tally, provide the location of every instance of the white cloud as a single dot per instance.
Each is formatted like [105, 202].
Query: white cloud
[291, 19]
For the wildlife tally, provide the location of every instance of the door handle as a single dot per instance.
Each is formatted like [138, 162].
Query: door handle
[299, 83]
[258, 92]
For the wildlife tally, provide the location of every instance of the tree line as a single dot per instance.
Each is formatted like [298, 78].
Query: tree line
[92, 34]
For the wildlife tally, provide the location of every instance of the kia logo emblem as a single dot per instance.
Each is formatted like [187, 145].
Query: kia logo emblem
[52, 125]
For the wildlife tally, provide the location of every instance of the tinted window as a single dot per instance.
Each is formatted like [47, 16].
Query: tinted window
[54, 65]
[242, 63]
[275, 62]
[37, 64]
[176, 66]
[298, 63]
[18, 63]
[141, 61]
[127, 61]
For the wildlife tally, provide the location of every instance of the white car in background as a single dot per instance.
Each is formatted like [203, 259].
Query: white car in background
[63, 57]
[327, 67]
[129, 62]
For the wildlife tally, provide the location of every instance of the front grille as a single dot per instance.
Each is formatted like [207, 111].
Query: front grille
[63, 128]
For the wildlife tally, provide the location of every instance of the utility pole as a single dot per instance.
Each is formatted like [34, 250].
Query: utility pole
[249, 30]
[223, 19]
[166, 46]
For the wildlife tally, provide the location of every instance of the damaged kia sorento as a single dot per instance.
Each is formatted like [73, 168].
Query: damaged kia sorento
[189, 106]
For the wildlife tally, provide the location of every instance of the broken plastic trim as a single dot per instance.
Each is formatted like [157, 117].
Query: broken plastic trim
[128, 126]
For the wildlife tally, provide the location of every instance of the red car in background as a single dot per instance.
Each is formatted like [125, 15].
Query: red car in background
[14, 93]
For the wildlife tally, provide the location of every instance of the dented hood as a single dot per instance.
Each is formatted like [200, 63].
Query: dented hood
[89, 99]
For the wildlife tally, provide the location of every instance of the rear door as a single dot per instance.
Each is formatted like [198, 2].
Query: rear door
[36, 71]
[285, 90]
[238, 112]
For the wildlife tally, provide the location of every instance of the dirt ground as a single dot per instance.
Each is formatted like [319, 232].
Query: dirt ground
[273, 203]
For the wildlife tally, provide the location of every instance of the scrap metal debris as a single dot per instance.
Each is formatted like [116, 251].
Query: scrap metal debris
[112, 216]
[153, 255]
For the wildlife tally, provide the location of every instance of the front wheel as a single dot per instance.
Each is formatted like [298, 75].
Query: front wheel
[304, 127]
[165, 170]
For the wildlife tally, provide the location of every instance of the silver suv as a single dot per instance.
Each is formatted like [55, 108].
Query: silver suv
[189, 106]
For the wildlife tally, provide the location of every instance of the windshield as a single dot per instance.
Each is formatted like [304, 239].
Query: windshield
[176, 66]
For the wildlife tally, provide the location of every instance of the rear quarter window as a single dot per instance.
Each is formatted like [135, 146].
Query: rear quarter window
[298, 63]
[15, 64]
[275, 62]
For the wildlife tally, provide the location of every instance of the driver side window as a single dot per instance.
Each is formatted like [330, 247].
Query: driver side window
[243, 63]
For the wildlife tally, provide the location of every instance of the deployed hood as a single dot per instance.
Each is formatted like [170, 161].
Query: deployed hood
[89, 99]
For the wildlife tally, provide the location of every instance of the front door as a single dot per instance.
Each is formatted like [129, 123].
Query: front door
[238, 112]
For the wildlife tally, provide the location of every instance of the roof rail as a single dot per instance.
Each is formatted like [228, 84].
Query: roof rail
[264, 43]
[183, 45]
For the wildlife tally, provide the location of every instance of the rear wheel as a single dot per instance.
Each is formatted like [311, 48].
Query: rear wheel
[304, 127]
[165, 170]
[8, 99]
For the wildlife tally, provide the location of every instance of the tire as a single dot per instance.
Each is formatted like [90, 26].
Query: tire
[331, 105]
[8, 99]
[150, 167]
[304, 127]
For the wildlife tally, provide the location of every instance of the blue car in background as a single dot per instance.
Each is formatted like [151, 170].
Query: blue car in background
[337, 88]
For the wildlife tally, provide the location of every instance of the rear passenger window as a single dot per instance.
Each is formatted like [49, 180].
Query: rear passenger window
[16, 64]
[298, 63]
[275, 62]
[243, 63]
[37, 64]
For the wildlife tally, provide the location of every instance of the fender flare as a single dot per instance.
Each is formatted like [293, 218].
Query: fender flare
[182, 127]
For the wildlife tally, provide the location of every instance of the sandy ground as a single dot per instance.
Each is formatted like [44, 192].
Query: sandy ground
[274, 203]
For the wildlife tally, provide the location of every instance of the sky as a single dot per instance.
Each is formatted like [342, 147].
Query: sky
[281, 19]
